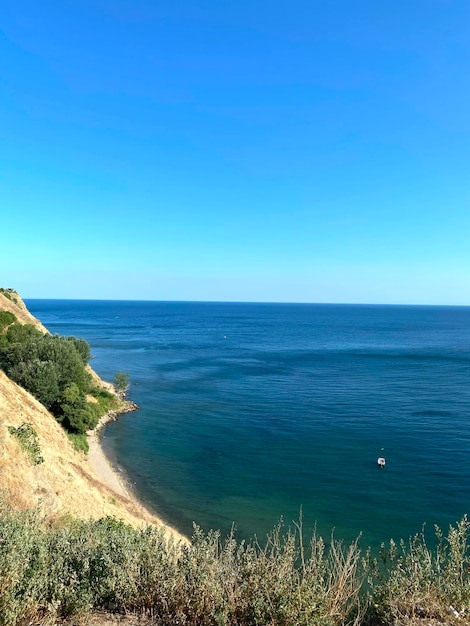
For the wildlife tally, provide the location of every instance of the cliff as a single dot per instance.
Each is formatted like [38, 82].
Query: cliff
[66, 482]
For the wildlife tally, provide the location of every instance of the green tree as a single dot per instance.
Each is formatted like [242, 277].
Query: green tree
[53, 369]
[121, 381]
[40, 378]
[82, 347]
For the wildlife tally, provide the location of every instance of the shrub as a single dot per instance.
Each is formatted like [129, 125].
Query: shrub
[28, 439]
[82, 347]
[121, 382]
[105, 402]
[80, 442]
[6, 318]
[278, 584]
[23, 567]
[65, 570]
[411, 580]
[52, 368]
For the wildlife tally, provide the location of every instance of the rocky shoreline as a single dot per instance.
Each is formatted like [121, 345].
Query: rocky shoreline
[127, 406]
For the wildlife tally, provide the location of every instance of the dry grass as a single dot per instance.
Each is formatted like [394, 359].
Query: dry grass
[64, 483]
[19, 309]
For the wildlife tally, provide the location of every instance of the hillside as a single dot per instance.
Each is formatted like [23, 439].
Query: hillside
[11, 301]
[66, 482]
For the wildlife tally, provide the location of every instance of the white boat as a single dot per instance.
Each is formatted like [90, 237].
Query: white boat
[381, 461]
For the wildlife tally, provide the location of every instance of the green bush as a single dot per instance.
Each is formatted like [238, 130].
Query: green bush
[121, 381]
[53, 369]
[21, 333]
[23, 567]
[64, 571]
[6, 318]
[105, 401]
[79, 441]
[28, 439]
[82, 347]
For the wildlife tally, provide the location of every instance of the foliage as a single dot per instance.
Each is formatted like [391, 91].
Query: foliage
[82, 347]
[23, 566]
[80, 442]
[412, 581]
[104, 401]
[62, 571]
[28, 439]
[6, 318]
[77, 566]
[53, 369]
[121, 381]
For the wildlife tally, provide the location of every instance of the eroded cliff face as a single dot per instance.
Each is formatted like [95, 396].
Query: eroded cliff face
[11, 301]
[64, 483]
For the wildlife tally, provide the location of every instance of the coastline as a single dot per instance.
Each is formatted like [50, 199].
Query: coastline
[112, 477]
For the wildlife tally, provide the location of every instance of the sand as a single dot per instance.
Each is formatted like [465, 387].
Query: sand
[111, 478]
[103, 468]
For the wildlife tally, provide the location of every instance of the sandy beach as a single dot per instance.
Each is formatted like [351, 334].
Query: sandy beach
[104, 471]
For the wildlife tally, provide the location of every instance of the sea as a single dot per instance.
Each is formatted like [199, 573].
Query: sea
[253, 415]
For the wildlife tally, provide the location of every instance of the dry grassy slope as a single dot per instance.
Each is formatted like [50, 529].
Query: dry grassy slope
[19, 309]
[65, 482]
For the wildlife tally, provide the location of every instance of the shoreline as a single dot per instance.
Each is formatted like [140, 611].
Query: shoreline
[113, 478]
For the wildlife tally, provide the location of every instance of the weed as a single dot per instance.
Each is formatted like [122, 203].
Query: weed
[80, 442]
[28, 439]
[412, 581]
[62, 571]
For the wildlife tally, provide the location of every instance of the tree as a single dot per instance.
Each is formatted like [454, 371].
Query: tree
[121, 382]
[53, 369]
[75, 413]
[82, 347]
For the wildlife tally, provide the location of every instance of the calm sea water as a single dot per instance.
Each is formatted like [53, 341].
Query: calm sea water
[251, 412]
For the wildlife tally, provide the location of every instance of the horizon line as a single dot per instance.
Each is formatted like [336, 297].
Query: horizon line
[251, 302]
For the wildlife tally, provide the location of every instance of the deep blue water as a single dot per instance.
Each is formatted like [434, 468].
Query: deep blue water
[251, 412]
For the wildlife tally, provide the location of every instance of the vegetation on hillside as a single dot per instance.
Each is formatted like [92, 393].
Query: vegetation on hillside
[28, 439]
[66, 570]
[121, 382]
[53, 369]
[10, 294]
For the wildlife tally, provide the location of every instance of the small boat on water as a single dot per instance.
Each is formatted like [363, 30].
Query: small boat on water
[381, 461]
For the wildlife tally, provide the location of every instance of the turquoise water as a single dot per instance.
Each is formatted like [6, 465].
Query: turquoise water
[251, 412]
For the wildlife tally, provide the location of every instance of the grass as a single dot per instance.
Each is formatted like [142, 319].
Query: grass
[103, 402]
[80, 442]
[10, 294]
[28, 439]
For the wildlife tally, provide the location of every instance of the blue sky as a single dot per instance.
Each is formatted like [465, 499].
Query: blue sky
[295, 151]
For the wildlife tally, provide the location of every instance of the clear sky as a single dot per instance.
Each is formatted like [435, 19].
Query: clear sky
[290, 150]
